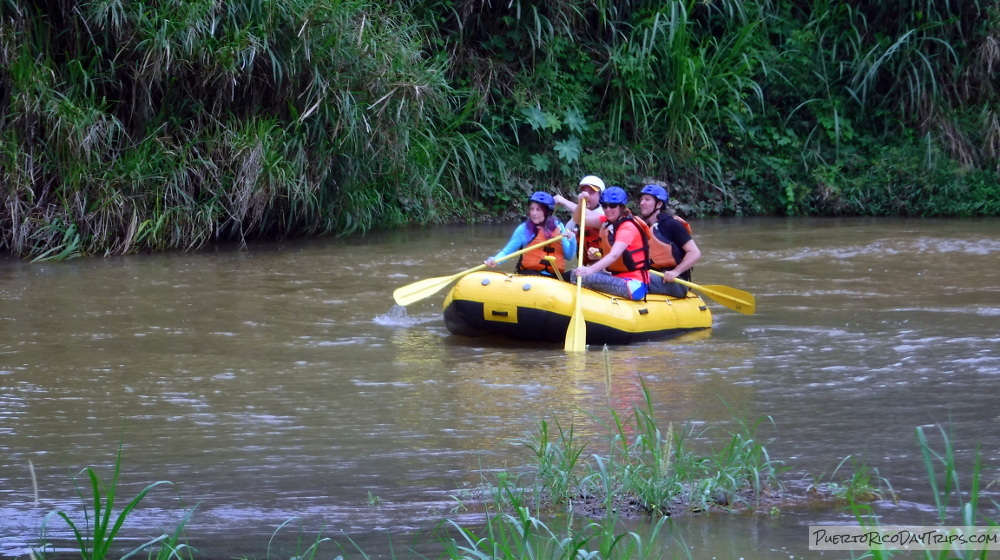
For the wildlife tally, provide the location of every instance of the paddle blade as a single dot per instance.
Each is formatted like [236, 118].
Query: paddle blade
[737, 300]
[734, 299]
[417, 291]
[424, 288]
[576, 332]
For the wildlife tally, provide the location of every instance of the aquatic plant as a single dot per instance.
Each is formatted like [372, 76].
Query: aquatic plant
[647, 469]
[557, 458]
[865, 484]
[945, 484]
[519, 534]
[308, 553]
[664, 471]
[949, 500]
[95, 535]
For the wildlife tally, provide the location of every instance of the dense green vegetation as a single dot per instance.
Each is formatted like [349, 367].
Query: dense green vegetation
[129, 126]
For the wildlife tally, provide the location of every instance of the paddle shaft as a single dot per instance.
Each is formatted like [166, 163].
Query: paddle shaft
[530, 247]
[419, 290]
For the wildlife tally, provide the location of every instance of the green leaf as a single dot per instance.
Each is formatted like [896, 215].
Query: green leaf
[552, 122]
[541, 162]
[575, 120]
[569, 149]
[536, 117]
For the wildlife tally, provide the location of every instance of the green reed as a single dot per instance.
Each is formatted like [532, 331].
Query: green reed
[644, 466]
[945, 483]
[656, 467]
[312, 544]
[954, 507]
[520, 535]
[95, 534]
[640, 457]
[557, 457]
[864, 484]
[737, 475]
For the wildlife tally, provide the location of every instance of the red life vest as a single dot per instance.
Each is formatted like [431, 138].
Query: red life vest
[661, 253]
[636, 256]
[533, 259]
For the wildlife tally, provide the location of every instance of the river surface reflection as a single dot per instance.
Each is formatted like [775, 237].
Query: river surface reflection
[280, 383]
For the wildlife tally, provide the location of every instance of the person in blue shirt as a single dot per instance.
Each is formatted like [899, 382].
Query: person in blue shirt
[540, 225]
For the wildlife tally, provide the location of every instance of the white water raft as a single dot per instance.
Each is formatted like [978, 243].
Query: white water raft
[539, 308]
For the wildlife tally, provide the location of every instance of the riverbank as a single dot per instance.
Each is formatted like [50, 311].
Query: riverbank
[315, 118]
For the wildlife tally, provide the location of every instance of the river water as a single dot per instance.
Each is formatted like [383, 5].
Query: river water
[280, 385]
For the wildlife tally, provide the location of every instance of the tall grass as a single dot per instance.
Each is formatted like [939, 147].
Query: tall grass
[658, 469]
[945, 482]
[174, 125]
[856, 86]
[864, 484]
[953, 506]
[130, 127]
[96, 533]
[675, 83]
[557, 456]
[521, 535]
[667, 474]
[577, 502]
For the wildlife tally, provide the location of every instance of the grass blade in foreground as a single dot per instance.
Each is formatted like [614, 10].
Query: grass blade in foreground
[95, 541]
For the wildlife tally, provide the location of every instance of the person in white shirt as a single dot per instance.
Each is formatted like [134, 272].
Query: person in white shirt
[591, 188]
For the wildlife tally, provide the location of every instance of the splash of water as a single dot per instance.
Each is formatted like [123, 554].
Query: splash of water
[397, 317]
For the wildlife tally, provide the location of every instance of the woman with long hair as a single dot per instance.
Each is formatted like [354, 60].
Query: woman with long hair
[540, 225]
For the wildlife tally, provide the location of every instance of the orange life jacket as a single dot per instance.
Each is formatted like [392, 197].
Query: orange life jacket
[533, 259]
[634, 257]
[661, 253]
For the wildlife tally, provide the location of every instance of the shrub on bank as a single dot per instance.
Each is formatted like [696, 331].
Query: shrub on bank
[142, 127]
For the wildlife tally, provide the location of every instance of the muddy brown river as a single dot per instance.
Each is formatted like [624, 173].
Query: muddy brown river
[278, 385]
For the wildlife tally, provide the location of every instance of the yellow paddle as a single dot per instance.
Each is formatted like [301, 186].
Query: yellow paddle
[552, 263]
[424, 288]
[576, 332]
[734, 299]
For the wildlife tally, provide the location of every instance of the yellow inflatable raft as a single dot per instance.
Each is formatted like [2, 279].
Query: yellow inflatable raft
[539, 308]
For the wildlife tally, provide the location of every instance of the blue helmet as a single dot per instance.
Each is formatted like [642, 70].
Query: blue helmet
[545, 199]
[657, 192]
[614, 195]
